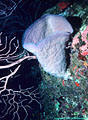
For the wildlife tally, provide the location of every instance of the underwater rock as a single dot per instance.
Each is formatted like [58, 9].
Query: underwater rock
[46, 39]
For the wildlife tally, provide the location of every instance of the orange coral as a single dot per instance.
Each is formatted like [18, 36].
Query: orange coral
[77, 84]
[85, 64]
[74, 68]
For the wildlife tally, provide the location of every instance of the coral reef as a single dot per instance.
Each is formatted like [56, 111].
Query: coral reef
[68, 99]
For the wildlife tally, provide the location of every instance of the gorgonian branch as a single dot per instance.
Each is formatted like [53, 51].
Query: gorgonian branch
[17, 100]
[11, 58]
[6, 10]
[7, 78]
[13, 100]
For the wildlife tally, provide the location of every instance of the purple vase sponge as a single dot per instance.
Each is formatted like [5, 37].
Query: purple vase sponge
[46, 39]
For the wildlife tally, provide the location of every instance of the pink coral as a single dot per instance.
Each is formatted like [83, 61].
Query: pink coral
[84, 38]
[84, 53]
